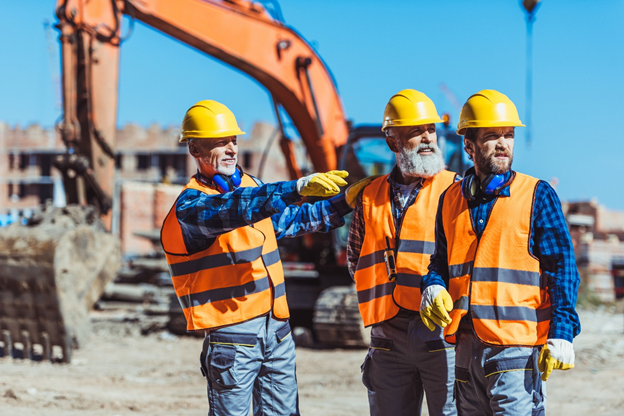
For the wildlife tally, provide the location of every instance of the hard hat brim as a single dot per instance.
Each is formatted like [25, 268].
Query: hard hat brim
[479, 124]
[409, 123]
[209, 135]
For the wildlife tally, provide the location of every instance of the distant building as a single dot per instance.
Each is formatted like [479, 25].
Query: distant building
[598, 237]
[146, 160]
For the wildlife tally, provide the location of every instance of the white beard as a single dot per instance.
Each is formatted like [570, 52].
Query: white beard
[226, 170]
[412, 164]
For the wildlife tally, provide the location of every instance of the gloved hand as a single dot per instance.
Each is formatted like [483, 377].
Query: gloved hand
[352, 192]
[435, 305]
[557, 354]
[322, 184]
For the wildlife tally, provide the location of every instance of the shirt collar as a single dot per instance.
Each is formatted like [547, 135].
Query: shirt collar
[394, 184]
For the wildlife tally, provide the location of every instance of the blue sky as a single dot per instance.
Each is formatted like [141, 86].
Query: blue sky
[374, 49]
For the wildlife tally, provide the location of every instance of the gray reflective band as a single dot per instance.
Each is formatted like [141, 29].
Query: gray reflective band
[457, 270]
[375, 292]
[280, 290]
[409, 280]
[519, 277]
[461, 303]
[415, 246]
[215, 260]
[370, 259]
[510, 313]
[224, 293]
[271, 258]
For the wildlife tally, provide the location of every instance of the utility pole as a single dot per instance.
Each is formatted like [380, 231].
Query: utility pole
[530, 6]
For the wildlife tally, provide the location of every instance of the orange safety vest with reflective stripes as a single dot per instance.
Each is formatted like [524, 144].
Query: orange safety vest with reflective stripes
[380, 299]
[237, 278]
[496, 276]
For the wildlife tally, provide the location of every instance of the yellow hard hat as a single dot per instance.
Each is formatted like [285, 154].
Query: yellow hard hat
[409, 108]
[488, 108]
[209, 119]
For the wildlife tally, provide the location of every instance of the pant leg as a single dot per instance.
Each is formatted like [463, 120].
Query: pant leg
[435, 360]
[231, 360]
[469, 389]
[514, 384]
[393, 382]
[275, 392]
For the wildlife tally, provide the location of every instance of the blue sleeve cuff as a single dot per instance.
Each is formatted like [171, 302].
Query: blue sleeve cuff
[289, 192]
[339, 204]
[430, 279]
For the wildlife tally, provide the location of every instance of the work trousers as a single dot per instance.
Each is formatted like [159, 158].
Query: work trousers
[253, 359]
[406, 359]
[492, 380]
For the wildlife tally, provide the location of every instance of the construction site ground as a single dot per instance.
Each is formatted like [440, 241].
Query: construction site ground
[122, 372]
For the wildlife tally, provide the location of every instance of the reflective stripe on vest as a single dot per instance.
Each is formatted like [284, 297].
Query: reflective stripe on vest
[379, 299]
[237, 278]
[496, 277]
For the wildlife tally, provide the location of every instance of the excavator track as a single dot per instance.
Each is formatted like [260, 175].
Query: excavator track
[337, 320]
[51, 274]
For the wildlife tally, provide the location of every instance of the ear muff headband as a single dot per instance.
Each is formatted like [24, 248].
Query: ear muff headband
[228, 183]
[491, 185]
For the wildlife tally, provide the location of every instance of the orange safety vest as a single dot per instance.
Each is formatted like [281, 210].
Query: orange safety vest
[496, 276]
[237, 278]
[379, 299]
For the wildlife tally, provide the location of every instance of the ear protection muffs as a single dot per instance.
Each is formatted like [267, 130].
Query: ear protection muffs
[492, 185]
[228, 183]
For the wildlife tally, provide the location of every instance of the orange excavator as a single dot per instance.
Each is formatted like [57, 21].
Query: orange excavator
[47, 289]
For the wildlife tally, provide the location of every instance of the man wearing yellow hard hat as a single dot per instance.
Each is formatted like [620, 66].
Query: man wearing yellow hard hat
[503, 280]
[390, 240]
[220, 241]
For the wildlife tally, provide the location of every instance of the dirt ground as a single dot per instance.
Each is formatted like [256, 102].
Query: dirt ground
[121, 372]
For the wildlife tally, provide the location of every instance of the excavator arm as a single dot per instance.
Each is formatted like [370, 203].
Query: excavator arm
[240, 33]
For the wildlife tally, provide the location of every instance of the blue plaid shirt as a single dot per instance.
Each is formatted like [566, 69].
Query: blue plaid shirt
[203, 217]
[550, 242]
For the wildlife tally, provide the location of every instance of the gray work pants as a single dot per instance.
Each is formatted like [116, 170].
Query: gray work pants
[251, 359]
[404, 359]
[494, 380]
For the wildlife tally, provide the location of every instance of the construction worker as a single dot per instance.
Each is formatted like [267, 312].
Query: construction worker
[220, 240]
[503, 280]
[390, 241]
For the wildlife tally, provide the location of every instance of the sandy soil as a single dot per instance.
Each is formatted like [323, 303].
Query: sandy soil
[121, 372]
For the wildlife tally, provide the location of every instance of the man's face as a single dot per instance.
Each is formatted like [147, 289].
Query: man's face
[416, 150]
[215, 155]
[492, 151]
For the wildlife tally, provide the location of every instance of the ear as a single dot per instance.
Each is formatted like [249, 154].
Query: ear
[193, 150]
[470, 147]
[392, 144]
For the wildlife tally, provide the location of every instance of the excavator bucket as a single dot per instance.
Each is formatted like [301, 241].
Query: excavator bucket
[52, 271]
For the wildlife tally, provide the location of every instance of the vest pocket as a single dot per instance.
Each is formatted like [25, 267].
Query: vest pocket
[222, 368]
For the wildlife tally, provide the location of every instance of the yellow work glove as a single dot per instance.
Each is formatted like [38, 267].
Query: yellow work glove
[322, 184]
[557, 354]
[352, 192]
[435, 305]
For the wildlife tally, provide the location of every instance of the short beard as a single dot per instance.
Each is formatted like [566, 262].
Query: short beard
[412, 164]
[489, 165]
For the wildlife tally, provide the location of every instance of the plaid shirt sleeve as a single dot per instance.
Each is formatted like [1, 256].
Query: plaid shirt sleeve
[552, 245]
[438, 263]
[356, 237]
[321, 216]
[203, 217]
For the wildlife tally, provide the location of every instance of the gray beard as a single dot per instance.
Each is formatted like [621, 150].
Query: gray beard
[412, 164]
[227, 171]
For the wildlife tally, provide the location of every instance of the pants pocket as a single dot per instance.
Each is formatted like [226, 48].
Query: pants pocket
[365, 368]
[462, 377]
[283, 332]
[222, 365]
[437, 345]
